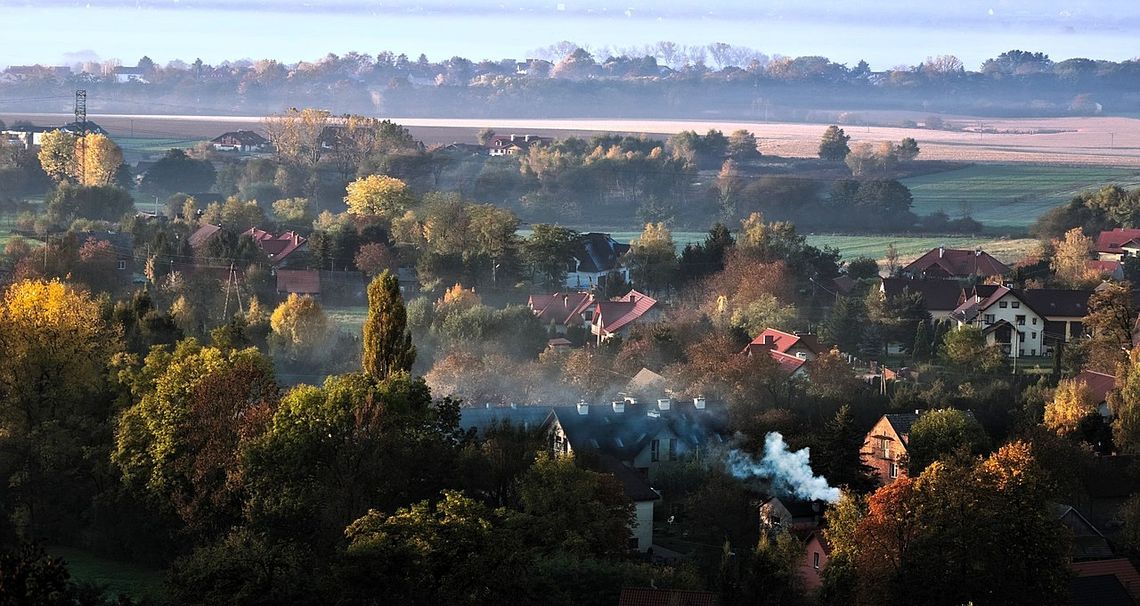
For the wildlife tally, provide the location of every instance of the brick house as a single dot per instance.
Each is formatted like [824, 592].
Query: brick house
[816, 552]
[884, 447]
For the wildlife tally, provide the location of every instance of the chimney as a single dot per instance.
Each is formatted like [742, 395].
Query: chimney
[664, 403]
[526, 138]
[699, 402]
[977, 252]
[769, 341]
[619, 406]
[801, 355]
[583, 407]
[512, 137]
[565, 300]
[917, 411]
[630, 400]
[941, 251]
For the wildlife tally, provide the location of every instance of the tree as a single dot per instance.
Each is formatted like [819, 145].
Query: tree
[965, 348]
[374, 259]
[1071, 258]
[837, 457]
[833, 144]
[378, 195]
[1110, 320]
[177, 172]
[907, 149]
[1072, 403]
[98, 160]
[652, 257]
[1125, 405]
[742, 146]
[300, 327]
[388, 345]
[245, 568]
[99, 203]
[862, 268]
[484, 136]
[57, 155]
[293, 210]
[937, 433]
[297, 135]
[844, 326]
[728, 185]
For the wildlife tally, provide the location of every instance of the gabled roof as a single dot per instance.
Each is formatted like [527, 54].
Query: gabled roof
[783, 342]
[243, 137]
[799, 508]
[971, 308]
[203, 235]
[956, 263]
[939, 295]
[598, 252]
[1053, 302]
[1112, 240]
[789, 364]
[612, 316]
[648, 596]
[299, 281]
[276, 247]
[1120, 568]
[480, 419]
[902, 422]
[564, 309]
[1099, 383]
[633, 484]
[646, 380]
[624, 434]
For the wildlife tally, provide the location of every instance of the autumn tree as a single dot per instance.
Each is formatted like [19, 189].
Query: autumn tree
[1110, 320]
[1125, 405]
[1071, 258]
[833, 144]
[297, 135]
[965, 348]
[57, 155]
[378, 195]
[938, 433]
[388, 345]
[652, 258]
[300, 328]
[742, 146]
[375, 258]
[1072, 403]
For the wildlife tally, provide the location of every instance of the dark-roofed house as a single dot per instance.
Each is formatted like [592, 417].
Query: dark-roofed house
[636, 487]
[202, 235]
[1116, 244]
[513, 145]
[1006, 319]
[885, 445]
[299, 282]
[616, 317]
[594, 256]
[948, 263]
[787, 513]
[1098, 590]
[1096, 594]
[1088, 542]
[281, 249]
[941, 296]
[1064, 310]
[240, 141]
[651, 596]
[481, 419]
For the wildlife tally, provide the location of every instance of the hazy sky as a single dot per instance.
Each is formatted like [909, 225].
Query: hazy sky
[884, 32]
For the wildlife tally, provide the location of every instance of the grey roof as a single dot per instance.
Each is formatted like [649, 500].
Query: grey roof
[527, 417]
[597, 252]
[902, 421]
[939, 295]
[624, 434]
[635, 486]
[1101, 590]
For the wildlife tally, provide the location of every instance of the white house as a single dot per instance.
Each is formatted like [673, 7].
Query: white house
[594, 257]
[1006, 319]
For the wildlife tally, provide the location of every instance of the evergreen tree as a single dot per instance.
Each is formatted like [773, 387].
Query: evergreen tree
[388, 345]
[871, 345]
[833, 144]
[922, 342]
[838, 459]
[844, 327]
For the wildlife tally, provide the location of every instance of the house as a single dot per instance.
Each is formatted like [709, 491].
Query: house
[1099, 385]
[125, 74]
[1110, 270]
[27, 137]
[950, 263]
[884, 447]
[282, 249]
[1064, 310]
[513, 145]
[787, 513]
[561, 311]
[615, 318]
[240, 141]
[942, 297]
[804, 346]
[1006, 319]
[299, 282]
[203, 235]
[1088, 542]
[594, 257]
[1098, 590]
[1119, 569]
[1105, 486]
[816, 553]
[482, 419]
[651, 596]
[1117, 244]
[636, 487]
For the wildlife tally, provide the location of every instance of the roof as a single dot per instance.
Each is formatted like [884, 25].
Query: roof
[277, 247]
[939, 295]
[902, 422]
[783, 342]
[1112, 240]
[972, 307]
[598, 252]
[647, 596]
[561, 308]
[480, 419]
[1114, 269]
[1099, 590]
[1052, 302]
[299, 281]
[123, 243]
[824, 544]
[243, 137]
[1088, 542]
[956, 263]
[789, 364]
[203, 235]
[1120, 568]
[612, 316]
[1099, 383]
[646, 380]
[799, 508]
[624, 434]
[633, 484]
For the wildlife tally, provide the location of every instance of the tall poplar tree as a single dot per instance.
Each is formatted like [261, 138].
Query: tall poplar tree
[388, 345]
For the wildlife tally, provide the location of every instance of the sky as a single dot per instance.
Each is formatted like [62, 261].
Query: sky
[885, 33]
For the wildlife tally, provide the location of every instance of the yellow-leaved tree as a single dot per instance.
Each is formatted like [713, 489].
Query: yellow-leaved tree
[1070, 260]
[378, 195]
[99, 160]
[300, 327]
[1072, 402]
[57, 155]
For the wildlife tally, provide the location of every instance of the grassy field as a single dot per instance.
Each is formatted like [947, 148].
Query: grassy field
[1009, 197]
[348, 319]
[142, 148]
[118, 577]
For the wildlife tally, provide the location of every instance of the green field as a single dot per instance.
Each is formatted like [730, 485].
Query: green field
[117, 577]
[142, 148]
[348, 319]
[1005, 197]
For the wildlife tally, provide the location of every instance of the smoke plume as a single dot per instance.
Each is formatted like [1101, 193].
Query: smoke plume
[787, 472]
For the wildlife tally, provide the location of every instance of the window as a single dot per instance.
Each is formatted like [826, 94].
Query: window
[893, 470]
[1035, 321]
[989, 318]
[122, 264]
[672, 450]
[1015, 304]
[1021, 320]
[1032, 352]
[815, 560]
[1032, 335]
[1003, 304]
[655, 451]
[885, 447]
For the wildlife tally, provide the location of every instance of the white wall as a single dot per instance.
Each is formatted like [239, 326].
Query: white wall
[643, 531]
[1032, 339]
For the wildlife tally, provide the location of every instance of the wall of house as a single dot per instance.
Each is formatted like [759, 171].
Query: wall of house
[873, 455]
[644, 459]
[812, 576]
[643, 531]
[1032, 340]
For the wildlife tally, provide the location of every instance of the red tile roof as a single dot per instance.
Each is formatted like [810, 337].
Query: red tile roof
[299, 281]
[277, 247]
[203, 235]
[646, 596]
[1099, 383]
[612, 316]
[955, 263]
[789, 364]
[561, 308]
[1121, 568]
[782, 342]
[1112, 240]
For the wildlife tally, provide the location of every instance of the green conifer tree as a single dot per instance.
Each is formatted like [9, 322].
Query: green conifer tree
[388, 345]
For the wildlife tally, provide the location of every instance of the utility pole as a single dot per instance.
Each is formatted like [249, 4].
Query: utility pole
[81, 124]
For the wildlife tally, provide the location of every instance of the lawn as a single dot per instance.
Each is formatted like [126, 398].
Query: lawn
[348, 319]
[143, 148]
[1009, 197]
[117, 577]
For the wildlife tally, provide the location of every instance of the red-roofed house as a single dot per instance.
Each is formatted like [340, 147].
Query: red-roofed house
[1108, 269]
[299, 282]
[1120, 568]
[562, 310]
[615, 318]
[1099, 385]
[806, 347]
[202, 235]
[949, 263]
[282, 248]
[1116, 244]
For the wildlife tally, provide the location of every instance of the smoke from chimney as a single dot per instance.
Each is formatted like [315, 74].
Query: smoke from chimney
[788, 472]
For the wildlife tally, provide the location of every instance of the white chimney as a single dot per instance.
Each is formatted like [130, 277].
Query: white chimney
[941, 251]
[619, 406]
[583, 408]
[512, 136]
[630, 400]
[699, 402]
[664, 403]
[801, 355]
